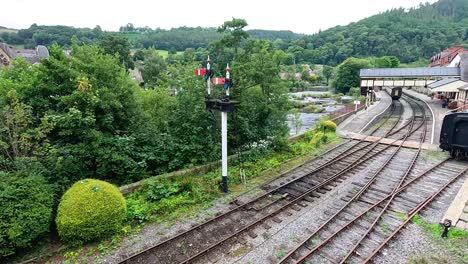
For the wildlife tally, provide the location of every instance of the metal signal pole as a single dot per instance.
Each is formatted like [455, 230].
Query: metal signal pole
[225, 106]
[208, 70]
[224, 146]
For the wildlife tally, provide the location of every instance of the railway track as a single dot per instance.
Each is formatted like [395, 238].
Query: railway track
[361, 225]
[199, 241]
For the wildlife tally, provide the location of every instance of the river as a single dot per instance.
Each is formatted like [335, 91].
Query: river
[309, 119]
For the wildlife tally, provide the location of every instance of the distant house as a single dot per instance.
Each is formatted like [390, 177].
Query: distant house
[6, 55]
[448, 58]
[33, 56]
[136, 76]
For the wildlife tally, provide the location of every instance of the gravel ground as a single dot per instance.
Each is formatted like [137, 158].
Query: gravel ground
[271, 244]
[415, 242]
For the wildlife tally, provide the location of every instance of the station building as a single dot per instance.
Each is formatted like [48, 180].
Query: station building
[446, 77]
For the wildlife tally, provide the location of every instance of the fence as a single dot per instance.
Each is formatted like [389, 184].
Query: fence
[341, 114]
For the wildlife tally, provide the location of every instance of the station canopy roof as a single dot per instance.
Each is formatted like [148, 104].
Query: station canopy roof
[441, 82]
[452, 87]
[409, 72]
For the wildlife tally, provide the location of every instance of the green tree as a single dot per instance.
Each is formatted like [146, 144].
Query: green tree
[327, 72]
[387, 62]
[262, 95]
[296, 121]
[154, 68]
[119, 45]
[233, 33]
[347, 75]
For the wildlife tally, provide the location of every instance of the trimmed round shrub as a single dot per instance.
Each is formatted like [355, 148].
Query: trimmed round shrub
[329, 126]
[90, 210]
[25, 210]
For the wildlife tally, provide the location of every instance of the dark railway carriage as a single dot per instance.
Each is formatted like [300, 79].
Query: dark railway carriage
[396, 93]
[454, 134]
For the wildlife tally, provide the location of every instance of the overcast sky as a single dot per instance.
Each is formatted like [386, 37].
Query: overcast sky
[301, 16]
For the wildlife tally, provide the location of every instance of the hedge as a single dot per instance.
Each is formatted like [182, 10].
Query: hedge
[25, 210]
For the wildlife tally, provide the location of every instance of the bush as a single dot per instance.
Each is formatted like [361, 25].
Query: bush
[329, 126]
[25, 210]
[90, 210]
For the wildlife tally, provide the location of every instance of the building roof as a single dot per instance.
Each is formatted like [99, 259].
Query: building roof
[7, 50]
[441, 82]
[410, 72]
[42, 52]
[136, 75]
[452, 87]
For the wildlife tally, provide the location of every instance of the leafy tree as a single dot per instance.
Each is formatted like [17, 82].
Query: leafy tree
[263, 103]
[296, 120]
[327, 72]
[139, 55]
[347, 75]
[118, 45]
[233, 33]
[154, 68]
[387, 62]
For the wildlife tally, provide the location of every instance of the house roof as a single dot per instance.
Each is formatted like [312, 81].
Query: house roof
[409, 72]
[42, 52]
[7, 50]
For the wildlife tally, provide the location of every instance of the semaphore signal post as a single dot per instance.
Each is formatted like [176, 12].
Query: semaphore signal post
[224, 105]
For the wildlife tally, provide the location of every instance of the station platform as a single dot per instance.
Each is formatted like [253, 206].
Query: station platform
[363, 119]
[457, 212]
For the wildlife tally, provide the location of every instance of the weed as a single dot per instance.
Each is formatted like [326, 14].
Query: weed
[384, 227]
[401, 215]
[71, 256]
[314, 241]
[281, 253]
[184, 248]
[455, 242]
[295, 239]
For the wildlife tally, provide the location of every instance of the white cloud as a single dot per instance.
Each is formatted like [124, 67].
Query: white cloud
[301, 16]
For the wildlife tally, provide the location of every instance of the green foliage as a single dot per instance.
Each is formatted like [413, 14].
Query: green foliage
[329, 126]
[455, 242]
[120, 46]
[234, 32]
[47, 35]
[327, 72]
[347, 75]
[296, 120]
[355, 92]
[313, 109]
[387, 62]
[25, 210]
[154, 69]
[409, 35]
[90, 210]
